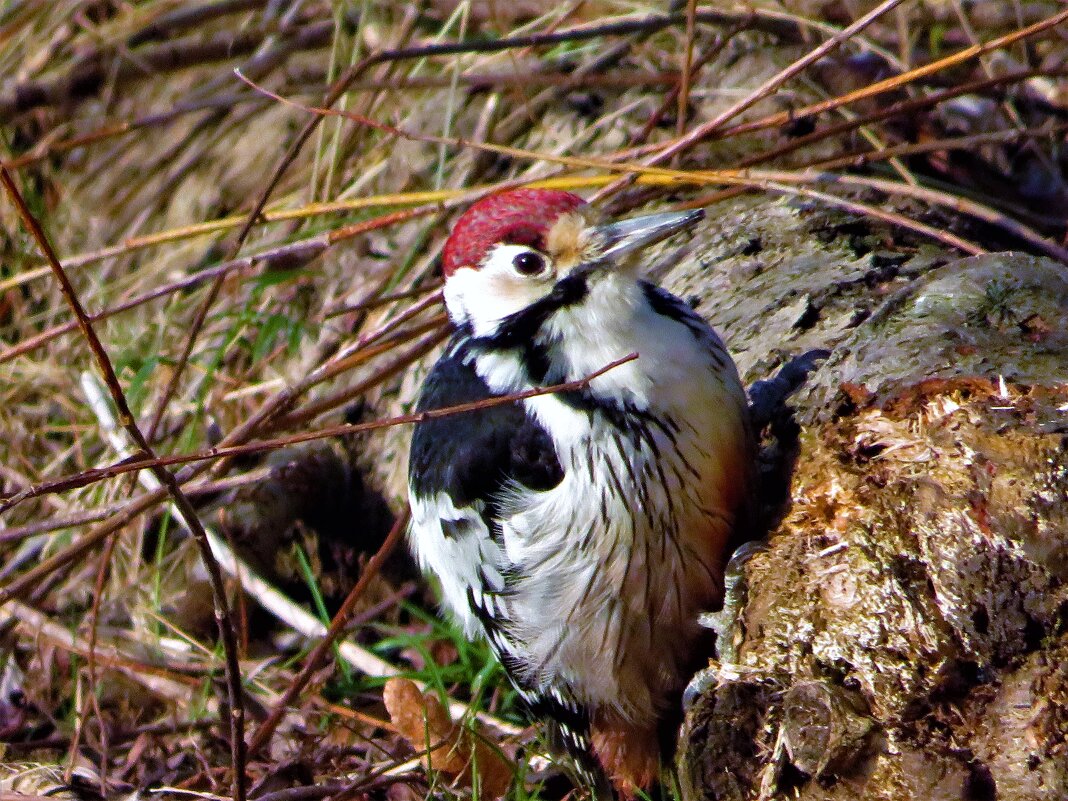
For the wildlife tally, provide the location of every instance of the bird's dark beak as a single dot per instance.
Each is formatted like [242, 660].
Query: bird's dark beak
[627, 236]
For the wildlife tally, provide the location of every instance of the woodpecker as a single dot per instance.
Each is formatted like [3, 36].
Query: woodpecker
[581, 532]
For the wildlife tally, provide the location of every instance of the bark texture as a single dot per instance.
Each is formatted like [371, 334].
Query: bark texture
[902, 634]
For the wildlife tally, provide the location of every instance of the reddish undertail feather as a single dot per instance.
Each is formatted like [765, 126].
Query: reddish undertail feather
[629, 754]
[518, 217]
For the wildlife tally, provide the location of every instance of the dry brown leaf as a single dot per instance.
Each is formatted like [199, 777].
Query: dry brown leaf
[454, 751]
[423, 722]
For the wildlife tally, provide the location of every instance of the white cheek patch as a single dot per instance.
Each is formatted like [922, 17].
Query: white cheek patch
[483, 297]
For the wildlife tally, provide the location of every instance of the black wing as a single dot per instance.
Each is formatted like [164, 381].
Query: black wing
[473, 455]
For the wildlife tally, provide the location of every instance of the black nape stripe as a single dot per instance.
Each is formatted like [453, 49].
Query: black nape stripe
[519, 331]
[663, 302]
[522, 327]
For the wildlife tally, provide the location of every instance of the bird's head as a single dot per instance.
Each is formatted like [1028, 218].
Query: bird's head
[527, 247]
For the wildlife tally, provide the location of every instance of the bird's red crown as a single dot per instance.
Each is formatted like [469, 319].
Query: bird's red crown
[517, 217]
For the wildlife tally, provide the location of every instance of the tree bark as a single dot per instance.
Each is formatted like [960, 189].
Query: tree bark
[903, 632]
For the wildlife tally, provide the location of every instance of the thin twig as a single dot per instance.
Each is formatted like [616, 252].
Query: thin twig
[290, 255]
[197, 323]
[47, 571]
[57, 523]
[381, 300]
[118, 737]
[414, 310]
[672, 97]
[766, 89]
[862, 158]
[92, 71]
[183, 18]
[895, 81]
[569, 182]
[687, 69]
[781, 181]
[137, 463]
[475, 81]
[960, 204]
[881, 214]
[317, 658]
[902, 108]
[93, 699]
[342, 396]
[265, 594]
[39, 625]
[777, 181]
[188, 512]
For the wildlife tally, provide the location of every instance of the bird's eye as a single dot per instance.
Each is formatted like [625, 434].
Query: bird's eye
[529, 263]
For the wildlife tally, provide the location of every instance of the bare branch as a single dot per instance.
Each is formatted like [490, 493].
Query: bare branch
[138, 462]
[128, 422]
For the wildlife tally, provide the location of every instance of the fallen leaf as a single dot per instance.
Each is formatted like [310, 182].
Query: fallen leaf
[462, 755]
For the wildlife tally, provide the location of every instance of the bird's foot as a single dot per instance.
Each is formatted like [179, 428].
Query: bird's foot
[728, 622]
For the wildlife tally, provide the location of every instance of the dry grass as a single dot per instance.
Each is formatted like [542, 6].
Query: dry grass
[143, 157]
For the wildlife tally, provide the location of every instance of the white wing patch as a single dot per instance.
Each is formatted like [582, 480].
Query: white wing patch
[455, 545]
